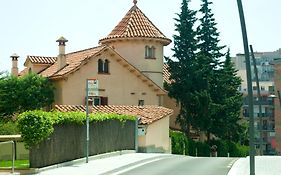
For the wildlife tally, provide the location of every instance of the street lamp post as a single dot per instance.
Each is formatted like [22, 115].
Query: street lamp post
[259, 98]
[249, 86]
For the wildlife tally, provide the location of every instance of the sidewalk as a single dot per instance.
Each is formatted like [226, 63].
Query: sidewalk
[102, 166]
[264, 165]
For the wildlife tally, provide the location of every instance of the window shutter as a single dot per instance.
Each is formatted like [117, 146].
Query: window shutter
[104, 100]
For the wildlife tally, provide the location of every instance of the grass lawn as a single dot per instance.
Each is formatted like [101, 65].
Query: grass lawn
[18, 164]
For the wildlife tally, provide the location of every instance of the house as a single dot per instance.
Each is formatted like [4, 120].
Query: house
[128, 64]
[153, 123]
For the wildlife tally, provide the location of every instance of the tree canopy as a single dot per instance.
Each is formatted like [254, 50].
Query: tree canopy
[183, 71]
[205, 87]
[19, 94]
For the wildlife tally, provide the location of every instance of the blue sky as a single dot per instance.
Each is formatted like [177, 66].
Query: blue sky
[31, 27]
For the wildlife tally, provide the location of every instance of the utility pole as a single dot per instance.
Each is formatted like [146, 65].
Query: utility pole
[249, 86]
[259, 98]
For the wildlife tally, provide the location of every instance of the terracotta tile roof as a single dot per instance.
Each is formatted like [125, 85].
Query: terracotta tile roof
[136, 25]
[73, 60]
[42, 59]
[166, 73]
[147, 114]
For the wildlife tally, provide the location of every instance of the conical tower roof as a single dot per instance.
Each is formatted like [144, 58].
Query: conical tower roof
[136, 25]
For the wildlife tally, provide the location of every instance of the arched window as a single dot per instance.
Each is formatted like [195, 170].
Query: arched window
[106, 66]
[152, 52]
[100, 66]
[146, 51]
[149, 52]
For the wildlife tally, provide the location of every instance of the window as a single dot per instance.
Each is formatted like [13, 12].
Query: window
[141, 102]
[255, 88]
[96, 101]
[271, 88]
[106, 68]
[100, 101]
[149, 52]
[100, 66]
[104, 101]
[103, 66]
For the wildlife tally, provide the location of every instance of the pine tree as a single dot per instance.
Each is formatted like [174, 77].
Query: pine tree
[208, 58]
[183, 69]
[228, 121]
[208, 35]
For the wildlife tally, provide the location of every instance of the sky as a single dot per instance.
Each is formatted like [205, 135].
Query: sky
[31, 27]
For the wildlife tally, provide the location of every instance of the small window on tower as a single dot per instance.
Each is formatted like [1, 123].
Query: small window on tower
[149, 52]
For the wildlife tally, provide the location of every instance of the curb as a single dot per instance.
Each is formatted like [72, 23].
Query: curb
[69, 163]
[82, 160]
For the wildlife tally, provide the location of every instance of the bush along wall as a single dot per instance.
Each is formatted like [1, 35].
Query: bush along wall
[193, 148]
[55, 137]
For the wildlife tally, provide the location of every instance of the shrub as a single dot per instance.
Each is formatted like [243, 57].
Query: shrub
[179, 143]
[35, 126]
[203, 149]
[222, 147]
[8, 128]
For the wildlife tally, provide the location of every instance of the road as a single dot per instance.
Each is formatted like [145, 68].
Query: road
[178, 165]
[146, 164]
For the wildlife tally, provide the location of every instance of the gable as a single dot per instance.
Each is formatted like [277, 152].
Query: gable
[124, 84]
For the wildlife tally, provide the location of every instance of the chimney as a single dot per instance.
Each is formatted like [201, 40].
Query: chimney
[15, 69]
[61, 59]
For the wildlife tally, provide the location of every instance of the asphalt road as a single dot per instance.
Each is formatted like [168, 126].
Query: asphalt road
[178, 165]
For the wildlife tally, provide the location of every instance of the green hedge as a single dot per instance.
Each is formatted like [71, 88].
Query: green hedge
[180, 141]
[35, 126]
[8, 128]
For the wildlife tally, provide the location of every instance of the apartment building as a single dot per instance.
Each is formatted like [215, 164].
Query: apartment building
[265, 120]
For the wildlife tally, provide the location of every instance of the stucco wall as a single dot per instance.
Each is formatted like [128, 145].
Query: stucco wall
[120, 86]
[35, 67]
[6, 151]
[171, 104]
[134, 52]
[156, 138]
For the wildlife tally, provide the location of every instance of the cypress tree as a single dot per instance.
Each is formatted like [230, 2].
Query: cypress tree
[183, 69]
[208, 58]
[228, 119]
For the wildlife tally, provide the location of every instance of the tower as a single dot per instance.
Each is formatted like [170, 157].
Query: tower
[140, 42]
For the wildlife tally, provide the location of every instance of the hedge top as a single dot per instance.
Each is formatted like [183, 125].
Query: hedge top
[37, 125]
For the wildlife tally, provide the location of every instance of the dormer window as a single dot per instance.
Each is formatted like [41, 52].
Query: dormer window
[103, 66]
[149, 52]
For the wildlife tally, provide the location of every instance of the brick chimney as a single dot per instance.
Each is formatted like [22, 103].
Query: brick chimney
[15, 69]
[61, 59]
